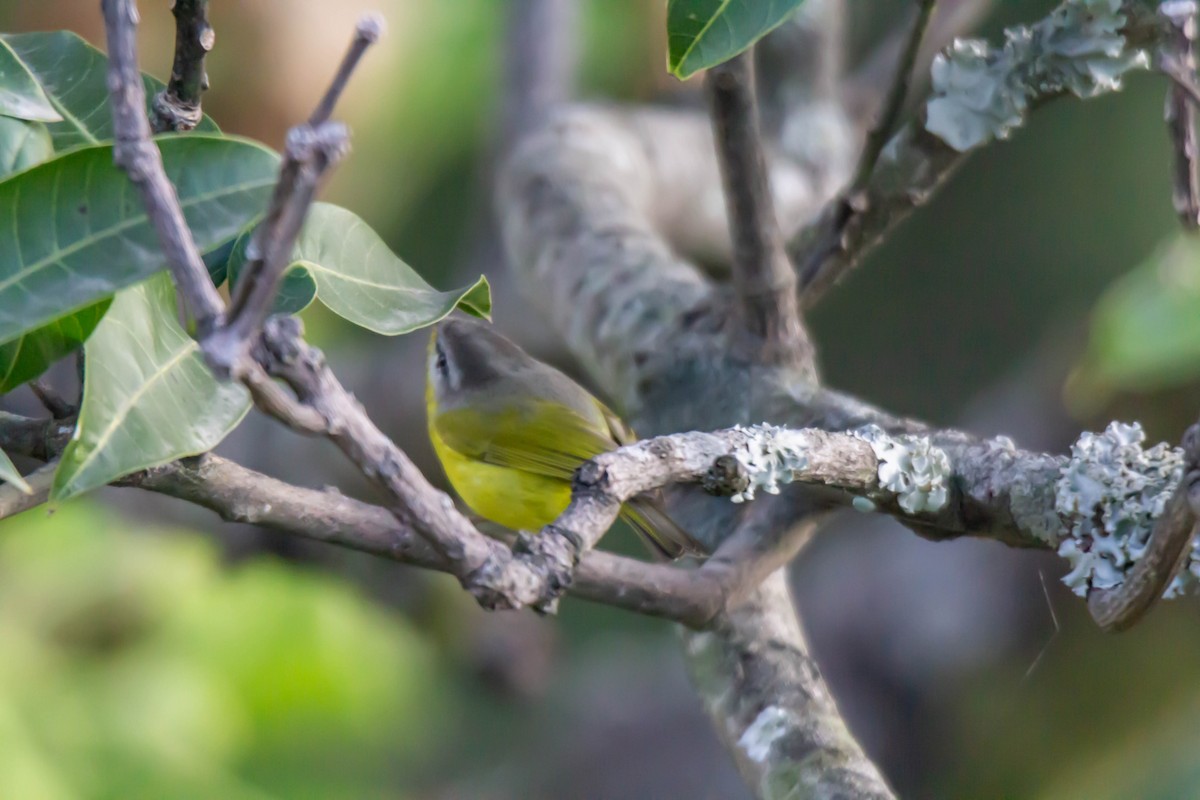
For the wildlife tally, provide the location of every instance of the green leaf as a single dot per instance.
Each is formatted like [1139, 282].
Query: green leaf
[703, 33]
[20, 94]
[30, 354]
[77, 231]
[73, 76]
[9, 474]
[342, 260]
[148, 396]
[22, 144]
[1145, 331]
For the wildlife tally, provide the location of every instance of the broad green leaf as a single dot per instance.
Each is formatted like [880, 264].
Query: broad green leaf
[148, 396]
[9, 474]
[77, 231]
[20, 94]
[341, 260]
[30, 354]
[22, 144]
[72, 74]
[702, 33]
[1145, 331]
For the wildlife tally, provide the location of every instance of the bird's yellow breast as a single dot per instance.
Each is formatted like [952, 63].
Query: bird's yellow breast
[510, 497]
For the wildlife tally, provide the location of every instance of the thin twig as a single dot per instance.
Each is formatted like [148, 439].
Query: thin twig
[13, 500]
[309, 154]
[894, 100]
[1185, 81]
[312, 149]
[370, 27]
[134, 152]
[1178, 59]
[763, 276]
[177, 107]
[49, 397]
[819, 269]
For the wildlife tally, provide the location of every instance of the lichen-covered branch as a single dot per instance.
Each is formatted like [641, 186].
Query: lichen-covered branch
[754, 673]
[981, 93]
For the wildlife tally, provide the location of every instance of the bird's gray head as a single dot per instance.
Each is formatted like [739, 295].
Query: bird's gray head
[468, 355]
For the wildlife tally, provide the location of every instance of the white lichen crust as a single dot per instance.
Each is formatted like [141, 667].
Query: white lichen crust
[770, 456]
[1109, 494]
[982, 92]
[911, 467]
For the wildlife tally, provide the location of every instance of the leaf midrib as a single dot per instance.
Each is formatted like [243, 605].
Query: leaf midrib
[124, 409]
[696, 39]
[57, 255]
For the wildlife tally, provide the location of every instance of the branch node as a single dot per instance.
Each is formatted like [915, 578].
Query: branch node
[726, 477]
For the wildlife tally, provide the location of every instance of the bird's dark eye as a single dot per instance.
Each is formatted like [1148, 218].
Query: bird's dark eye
[440, 362]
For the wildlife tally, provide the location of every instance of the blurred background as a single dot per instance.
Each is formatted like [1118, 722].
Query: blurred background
[147, 650]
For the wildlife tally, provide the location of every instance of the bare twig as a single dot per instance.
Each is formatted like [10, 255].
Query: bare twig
[309, 153]
[13, 500]
[893, 103]
[134, 152]
[177, 107]
[312, 149]
[239, 494]
[819, 269]
[1178, 60]
[49, 397]
[370, 27]
[763, 276]
[864, 88]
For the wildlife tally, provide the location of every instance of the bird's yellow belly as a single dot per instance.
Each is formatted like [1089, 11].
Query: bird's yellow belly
[510, 497]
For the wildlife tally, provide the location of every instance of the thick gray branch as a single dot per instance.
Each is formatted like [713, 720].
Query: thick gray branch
[755, 675]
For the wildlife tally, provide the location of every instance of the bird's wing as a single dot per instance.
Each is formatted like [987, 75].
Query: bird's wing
[543, 438]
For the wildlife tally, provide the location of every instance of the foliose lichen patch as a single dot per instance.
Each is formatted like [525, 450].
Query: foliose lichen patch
[912, 467]
[982, 92]
[1109, 494]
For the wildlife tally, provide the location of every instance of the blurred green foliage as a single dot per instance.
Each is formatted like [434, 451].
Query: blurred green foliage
[1145, 331]
[134, 664]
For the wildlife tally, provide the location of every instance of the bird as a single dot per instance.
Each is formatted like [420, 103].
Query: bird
[510, 432]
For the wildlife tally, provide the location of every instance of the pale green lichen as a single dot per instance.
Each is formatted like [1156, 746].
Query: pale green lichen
[1110, 493]
[771, 725]
[770, 456]
[982, 92]
[911, 467]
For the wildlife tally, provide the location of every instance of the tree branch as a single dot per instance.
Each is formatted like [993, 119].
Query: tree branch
[1032, 68]
[54, 402]
[893, 101]
[134, 152]
[770, 705]
[1178, 61]
[177, 107]
[762, 274]
[13, 500]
